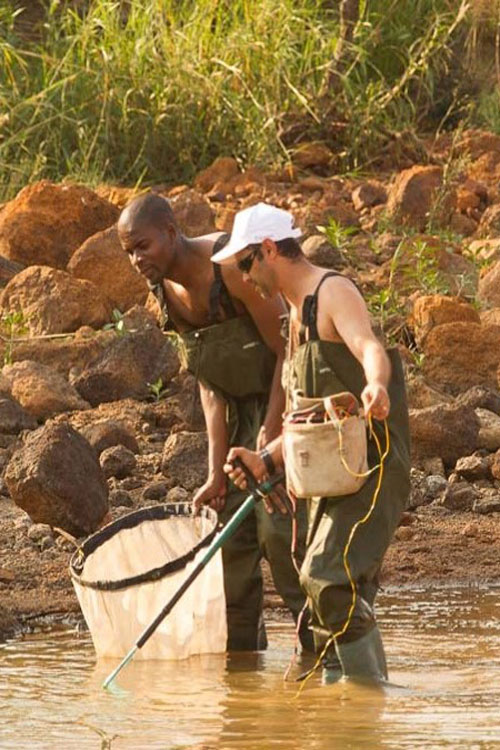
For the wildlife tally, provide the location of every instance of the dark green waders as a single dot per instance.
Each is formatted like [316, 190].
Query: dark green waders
[321, 368]
[231, 358]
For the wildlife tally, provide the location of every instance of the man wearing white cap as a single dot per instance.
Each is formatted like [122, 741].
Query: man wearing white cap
[333, 350]
[230, 340]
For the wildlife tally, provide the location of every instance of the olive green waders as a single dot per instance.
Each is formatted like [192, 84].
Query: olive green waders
[231, 358]
[321, 368]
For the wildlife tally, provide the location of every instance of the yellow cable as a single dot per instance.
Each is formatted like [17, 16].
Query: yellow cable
[363, 520]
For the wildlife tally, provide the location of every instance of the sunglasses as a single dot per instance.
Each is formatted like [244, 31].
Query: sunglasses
[245, 264]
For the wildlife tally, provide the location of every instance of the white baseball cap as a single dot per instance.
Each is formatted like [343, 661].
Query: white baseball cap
[255, 224]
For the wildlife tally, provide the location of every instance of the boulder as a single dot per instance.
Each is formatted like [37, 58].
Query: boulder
[487, 505]
[117, 461]
[108, 433]
[127, 366]
[41, 391]
[415, 200]
[102, 260]
[459, 496]
[446, 430]
[56, 478]
[461, 355]
[421, 394]
[221, 171]
[13, 418]
[53, 301]
[433, 310]
[368, 194]
[184, 460]
[489, 286]
[193, 213]
[489, 430]
[45, 223]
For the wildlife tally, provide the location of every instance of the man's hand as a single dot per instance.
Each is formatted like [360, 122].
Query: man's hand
[376, 400]
[212, 493]
[257, 468]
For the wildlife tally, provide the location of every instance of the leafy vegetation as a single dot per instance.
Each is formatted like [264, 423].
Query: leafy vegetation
[153, 90]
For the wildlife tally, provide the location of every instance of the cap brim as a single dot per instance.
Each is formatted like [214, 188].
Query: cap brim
[226, 255]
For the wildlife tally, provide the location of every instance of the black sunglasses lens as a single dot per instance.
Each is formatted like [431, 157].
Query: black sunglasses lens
[245, 263]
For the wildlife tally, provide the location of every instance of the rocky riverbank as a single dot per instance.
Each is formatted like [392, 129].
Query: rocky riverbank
[96, 417]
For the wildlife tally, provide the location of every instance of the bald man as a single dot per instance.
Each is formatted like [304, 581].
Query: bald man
[230, 340]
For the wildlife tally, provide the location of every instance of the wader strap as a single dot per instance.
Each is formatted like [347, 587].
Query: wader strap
[309, 323]
[219, 295]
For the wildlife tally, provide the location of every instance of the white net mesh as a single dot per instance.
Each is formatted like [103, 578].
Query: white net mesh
[197, 623]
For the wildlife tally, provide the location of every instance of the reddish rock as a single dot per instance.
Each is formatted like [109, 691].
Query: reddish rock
[421, 394]
[222, 170]
[368, 194]
[495, 466]
[459, 496]
[318, 250]
[464, 225]
[108, 433]
[489, 286]
[45, 223]
[13, 418]
[43, 392]
[485, 249]
[475, 143]
[117, 461]
[312, 154]
[53, 301]
[490, 317]
[56, 478]
[489, 429]
[184, 460]
[446, 430]
[414, 197]
[489, 226]
[102, 260]
[433, 310]
[193, 213]
[462, 354]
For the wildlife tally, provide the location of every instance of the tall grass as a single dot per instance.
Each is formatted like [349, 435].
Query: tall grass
[153, 90]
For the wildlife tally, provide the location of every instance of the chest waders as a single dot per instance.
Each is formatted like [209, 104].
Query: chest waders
[230, 357]
[320, 368]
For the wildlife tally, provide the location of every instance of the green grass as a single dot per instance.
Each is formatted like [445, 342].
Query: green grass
[153, 90]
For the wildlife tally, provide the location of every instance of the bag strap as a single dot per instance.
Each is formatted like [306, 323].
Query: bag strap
[309, 323]
[219, 295]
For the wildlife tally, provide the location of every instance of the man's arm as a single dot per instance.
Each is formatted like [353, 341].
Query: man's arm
[349, 315]
[266, 316]
[214, 489]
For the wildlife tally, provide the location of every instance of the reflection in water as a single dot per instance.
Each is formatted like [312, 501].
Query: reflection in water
[444, 653]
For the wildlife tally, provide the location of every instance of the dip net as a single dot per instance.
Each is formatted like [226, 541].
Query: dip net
[125, 573]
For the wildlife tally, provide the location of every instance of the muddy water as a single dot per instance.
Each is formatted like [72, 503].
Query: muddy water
[443, 649]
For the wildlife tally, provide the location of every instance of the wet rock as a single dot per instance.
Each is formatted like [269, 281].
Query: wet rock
[155, 491]
[459, 496]
[120, 499]
[461, 355]
[485, 506]
[472, 467]
[193, 213]
[368, 194]
[433, 310]
[184, 459]
[117, 461]
[53, 301]
[110, 432]
[41, 391]
[102, 260]
[415, 198]
[126, 367]
[489, 430]
[446, 430]
[318, 250]
[45, 223]
[13, 418]
[56, 478]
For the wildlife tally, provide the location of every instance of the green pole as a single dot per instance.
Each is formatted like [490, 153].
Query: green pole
[227, 531]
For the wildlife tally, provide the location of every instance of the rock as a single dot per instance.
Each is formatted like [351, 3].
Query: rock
[459, 496]
[45, 223]
[56, 478]
[433, 310]
[8, 269]
[318, 250]
[474, 143]
[126, 367]
[485, 249]
[463, 225]
[435, 484]
[193, 213]
[102, 260]
[37, 531]
[461, 355]
[471, 529]
[368, 194]
[130, 483]
[485, 506]
[109, 432]
[222, 170]
[489, 430]
[404, 534]
[490, 317]
[120, 499]
[117, 461]
[177, 495]
[421, 394]
[489, 292]
[13, 418]
[417, 489]
[433, 466]
[53, 301]
[414, 198]
[472, 467]
[184, 459]
[312, 154]
[155, 491]
[480, 397]
[41, 391]
[489, 226]
[446, 430]
[495, 466]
